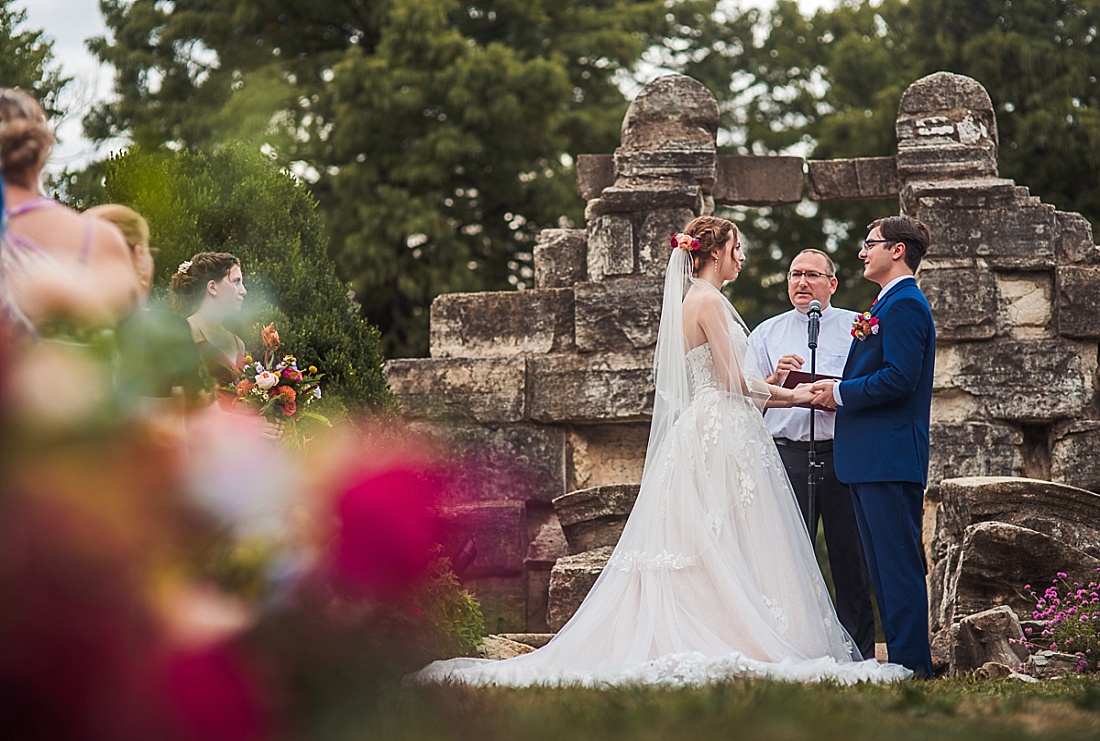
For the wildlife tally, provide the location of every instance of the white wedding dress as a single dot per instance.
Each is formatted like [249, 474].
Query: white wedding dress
[714, 576]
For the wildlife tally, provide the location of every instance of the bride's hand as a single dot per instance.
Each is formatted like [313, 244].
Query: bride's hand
[802, 394]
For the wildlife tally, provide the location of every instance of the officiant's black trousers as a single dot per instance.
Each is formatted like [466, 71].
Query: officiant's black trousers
[833, 507]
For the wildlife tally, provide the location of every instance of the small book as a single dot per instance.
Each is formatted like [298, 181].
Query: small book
[796, 377]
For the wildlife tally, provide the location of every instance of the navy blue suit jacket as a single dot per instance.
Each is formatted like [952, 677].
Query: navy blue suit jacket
[882, 425]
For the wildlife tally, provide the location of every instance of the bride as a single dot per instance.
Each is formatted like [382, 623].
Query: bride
[714, 575]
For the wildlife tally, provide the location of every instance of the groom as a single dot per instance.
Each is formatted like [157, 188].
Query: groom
[881, 439]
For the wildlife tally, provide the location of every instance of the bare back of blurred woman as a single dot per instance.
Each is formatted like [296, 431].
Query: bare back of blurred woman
[54, 262]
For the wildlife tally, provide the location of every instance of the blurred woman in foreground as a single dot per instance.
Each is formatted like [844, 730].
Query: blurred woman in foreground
[54, 262]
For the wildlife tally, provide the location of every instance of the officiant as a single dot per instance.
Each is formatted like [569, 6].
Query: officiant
[780, 347]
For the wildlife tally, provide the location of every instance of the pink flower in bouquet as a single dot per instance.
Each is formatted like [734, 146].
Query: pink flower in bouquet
[385, 529]
[266, 379]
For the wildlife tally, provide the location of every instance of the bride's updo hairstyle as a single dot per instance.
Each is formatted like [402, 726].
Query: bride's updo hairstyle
[712, 233]
[25, 137]
[188, 285]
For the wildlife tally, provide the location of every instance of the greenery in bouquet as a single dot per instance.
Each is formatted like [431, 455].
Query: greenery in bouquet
[1069, 616]
[277, 387]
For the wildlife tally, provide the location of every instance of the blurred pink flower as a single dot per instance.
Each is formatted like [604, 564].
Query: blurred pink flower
[385, 528]
[213, 695]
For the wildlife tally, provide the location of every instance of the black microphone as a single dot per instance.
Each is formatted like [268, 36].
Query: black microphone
[815, 322]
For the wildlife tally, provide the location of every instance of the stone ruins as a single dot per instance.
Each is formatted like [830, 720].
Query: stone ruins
[548, 391]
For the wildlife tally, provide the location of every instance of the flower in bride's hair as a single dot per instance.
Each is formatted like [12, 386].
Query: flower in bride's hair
[184, 267]
[685, 242]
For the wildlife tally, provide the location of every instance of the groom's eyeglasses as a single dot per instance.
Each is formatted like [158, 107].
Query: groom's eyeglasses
[868, 242]
[811, 275]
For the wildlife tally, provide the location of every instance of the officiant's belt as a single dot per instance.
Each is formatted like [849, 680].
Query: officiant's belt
[821, 446]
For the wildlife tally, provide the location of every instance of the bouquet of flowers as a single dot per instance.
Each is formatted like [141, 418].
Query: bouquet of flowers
[276, 386]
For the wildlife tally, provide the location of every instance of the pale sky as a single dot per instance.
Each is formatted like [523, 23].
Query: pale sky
[69, 23]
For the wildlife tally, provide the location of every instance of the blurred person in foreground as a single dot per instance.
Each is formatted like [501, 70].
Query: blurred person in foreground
[157, 357]
[55, 264]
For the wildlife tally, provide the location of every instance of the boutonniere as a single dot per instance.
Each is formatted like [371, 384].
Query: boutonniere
[864, 326]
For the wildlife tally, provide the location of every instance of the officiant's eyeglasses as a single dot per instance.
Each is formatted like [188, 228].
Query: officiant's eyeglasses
[810, 275]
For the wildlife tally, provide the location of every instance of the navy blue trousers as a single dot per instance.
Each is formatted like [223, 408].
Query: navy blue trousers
[889, 517]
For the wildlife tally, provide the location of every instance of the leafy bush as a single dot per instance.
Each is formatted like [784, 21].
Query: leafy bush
[451, 616]
[233, 200]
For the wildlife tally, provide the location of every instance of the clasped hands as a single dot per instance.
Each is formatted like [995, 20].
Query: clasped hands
[819, 394]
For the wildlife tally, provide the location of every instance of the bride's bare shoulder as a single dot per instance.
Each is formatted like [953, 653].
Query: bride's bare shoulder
[700, 300]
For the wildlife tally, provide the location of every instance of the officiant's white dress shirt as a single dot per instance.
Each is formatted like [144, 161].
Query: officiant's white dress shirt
[787, 334]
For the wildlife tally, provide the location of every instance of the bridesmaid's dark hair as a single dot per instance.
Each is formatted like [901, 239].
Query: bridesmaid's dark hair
[712, 233]
[190, 280]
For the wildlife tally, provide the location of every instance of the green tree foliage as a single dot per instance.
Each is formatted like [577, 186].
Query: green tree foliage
[434, 132]
[236, 201]
[26, 58]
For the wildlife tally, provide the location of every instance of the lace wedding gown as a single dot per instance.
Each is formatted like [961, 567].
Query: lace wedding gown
[714, 575]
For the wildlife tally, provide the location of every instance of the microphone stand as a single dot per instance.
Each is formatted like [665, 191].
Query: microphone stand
[813, 464]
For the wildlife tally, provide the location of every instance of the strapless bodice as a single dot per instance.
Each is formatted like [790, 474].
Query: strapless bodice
[704, 376]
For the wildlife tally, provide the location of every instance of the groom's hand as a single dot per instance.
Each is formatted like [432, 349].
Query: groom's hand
[823, 395]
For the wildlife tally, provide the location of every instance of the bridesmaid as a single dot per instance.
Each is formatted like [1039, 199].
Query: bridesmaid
[209, 289]
[158, 357]
[54, 262]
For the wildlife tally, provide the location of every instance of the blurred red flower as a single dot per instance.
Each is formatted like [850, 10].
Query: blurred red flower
[289, 402]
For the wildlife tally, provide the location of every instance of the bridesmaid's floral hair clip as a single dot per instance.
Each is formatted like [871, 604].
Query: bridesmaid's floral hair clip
[184, 267]
[864, 326]
[685, 242]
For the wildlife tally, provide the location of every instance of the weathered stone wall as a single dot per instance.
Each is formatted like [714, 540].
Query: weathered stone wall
[549, 390]
[1014, 286]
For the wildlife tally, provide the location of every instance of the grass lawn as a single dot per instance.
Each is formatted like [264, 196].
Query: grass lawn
[943, 709]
